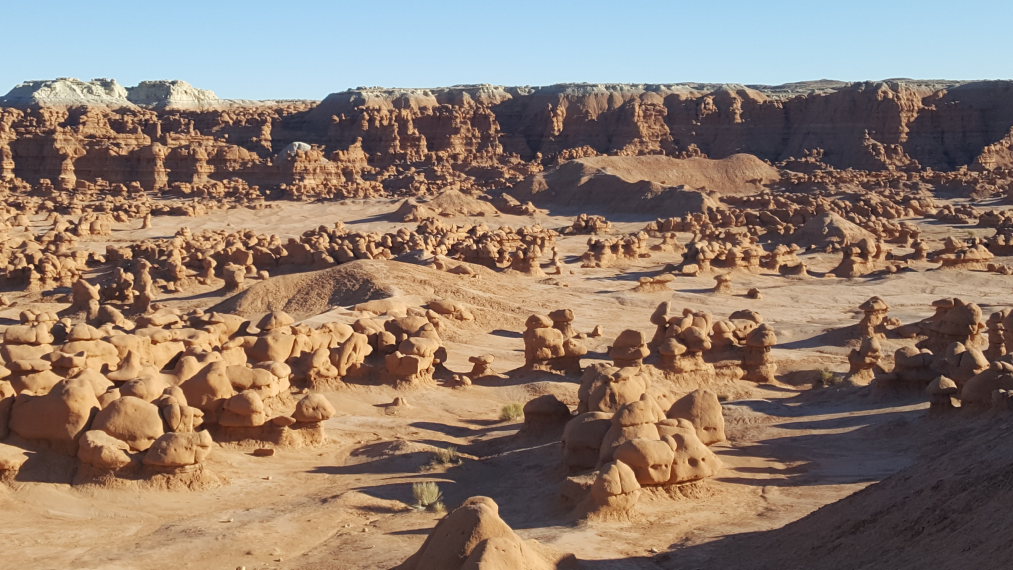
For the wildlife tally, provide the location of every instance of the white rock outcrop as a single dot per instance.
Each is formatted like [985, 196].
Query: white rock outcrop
[173, 94]
[67, 91]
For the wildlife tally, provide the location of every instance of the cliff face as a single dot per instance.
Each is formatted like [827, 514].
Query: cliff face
[416, 140]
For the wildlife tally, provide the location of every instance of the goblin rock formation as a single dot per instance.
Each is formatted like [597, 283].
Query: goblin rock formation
[474, 536]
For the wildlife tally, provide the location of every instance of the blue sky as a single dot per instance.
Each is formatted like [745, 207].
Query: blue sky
[309, 48]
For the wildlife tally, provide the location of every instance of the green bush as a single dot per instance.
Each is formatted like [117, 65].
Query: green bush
[511, 412]
[827, 377]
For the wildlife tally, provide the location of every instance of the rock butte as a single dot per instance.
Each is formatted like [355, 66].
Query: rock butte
[574, 326]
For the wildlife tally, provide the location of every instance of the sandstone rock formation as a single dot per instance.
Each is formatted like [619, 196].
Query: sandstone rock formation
[546, 347]
[513, 131]
[474, 536]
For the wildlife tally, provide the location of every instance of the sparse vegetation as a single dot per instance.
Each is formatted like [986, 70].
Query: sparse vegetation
[827, 378]
[442, 457]
[428, 497]
[446, 456]
[511, 412]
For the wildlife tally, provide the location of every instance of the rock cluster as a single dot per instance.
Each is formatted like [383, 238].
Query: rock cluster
[231, 258]
[588, 224]
[626, 438]
[690, 343]
[963, 360]
[152, 395]
[551, 343]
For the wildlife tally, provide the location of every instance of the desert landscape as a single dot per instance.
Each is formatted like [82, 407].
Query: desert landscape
[580, 326]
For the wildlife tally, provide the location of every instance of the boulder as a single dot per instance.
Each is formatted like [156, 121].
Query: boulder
[103, 451]
[132, 420]
[175, 450]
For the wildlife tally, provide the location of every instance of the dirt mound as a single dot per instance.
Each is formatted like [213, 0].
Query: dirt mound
[638, 184]
[736, 174]
[447, 203]
[828, 228]
[314, 292]
[948, 510]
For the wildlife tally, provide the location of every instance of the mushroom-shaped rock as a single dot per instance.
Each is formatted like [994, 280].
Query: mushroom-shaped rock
[864, 361]
[481, 366]
[313, 408]
[723, 283]
[234, 276]
[562, 320]
[942, 393]
[629, 349]
[659, 318]
[542, 343]
[473, 537]
[245, 409]
[757, 362]
[873, 321]
[33, 375]
[413, 361]
[913, 367]
[671, 349]
[175, 449]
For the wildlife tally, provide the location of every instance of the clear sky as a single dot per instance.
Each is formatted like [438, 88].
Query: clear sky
[309, 48]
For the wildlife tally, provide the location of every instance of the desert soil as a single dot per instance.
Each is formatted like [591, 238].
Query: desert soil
[791, 448]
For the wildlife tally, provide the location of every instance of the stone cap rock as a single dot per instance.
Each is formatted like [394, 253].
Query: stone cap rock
[68, 91]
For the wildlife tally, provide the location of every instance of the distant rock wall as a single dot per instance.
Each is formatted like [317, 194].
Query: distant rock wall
[417, 141]
[172, 95]
[67, 91]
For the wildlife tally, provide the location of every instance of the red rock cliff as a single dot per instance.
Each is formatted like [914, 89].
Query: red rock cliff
[417, 140]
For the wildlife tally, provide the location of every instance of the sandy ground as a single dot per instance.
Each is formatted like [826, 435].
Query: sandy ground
[344, 504]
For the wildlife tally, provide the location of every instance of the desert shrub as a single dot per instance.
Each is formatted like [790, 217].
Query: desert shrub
[428, 496]
[511, 412]
[827, 377]
[446, 456]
